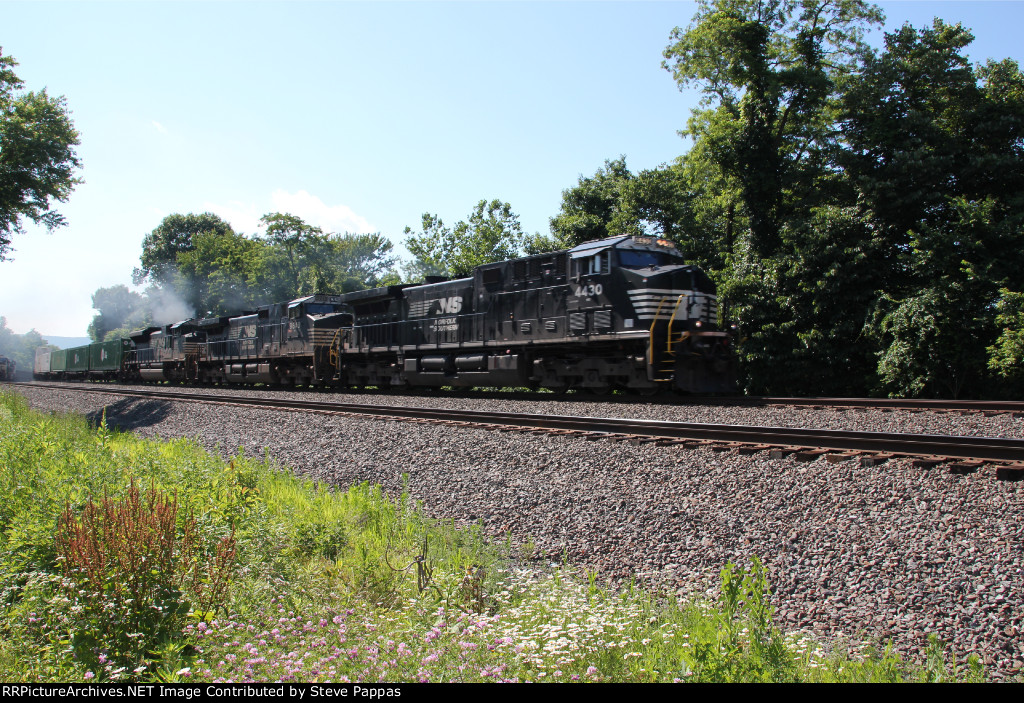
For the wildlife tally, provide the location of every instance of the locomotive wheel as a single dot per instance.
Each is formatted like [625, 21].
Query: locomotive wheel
[601, 390]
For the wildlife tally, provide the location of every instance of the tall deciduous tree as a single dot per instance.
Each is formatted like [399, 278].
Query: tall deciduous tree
[769, 71]
[491, 233]
[292, 246]
[37, 156]
[173, 236]
[590, 208]
[766, 197]
[225, 271]
[117, 305]
[936, 153]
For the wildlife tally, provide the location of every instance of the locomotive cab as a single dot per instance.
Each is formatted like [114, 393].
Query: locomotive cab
[678, 304]
[641, 285]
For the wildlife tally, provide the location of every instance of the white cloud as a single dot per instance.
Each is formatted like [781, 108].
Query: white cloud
[245, 217]
[159, 127]
[331, 218]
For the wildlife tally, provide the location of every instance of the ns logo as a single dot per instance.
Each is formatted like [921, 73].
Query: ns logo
[450, 306]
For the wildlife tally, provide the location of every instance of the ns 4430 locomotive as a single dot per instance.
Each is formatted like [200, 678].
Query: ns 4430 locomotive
[625, 312]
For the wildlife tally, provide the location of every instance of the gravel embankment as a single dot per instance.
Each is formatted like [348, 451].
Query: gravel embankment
[852, 553]
[585, 405]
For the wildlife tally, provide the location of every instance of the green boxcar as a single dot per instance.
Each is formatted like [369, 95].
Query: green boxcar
[78, 360]
[59, 361]
[105, 358]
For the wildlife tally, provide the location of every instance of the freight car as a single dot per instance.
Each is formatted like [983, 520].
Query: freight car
[624, 312]
[102, 361]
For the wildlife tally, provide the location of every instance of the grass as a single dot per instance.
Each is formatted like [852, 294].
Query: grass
[111, 546]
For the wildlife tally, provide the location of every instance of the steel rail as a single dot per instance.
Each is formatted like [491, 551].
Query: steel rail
[952, 446]
[999, 406]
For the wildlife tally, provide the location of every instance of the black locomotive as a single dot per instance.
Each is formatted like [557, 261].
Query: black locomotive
[7, 368]
[624, 312]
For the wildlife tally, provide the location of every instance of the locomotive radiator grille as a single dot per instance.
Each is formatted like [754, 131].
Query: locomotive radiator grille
[646, 301]
[694, 305]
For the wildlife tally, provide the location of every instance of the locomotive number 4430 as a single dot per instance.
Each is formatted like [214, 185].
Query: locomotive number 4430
[589, 290]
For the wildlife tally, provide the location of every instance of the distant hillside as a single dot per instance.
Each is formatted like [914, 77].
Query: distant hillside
[66, 342]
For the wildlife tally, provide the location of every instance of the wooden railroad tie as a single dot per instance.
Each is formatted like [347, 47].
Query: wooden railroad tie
[876, 458]
[747, 449]
[642, 440]
[837, 457]
[965, 466]
[1010, 472]
[782, 452]
[809, 454]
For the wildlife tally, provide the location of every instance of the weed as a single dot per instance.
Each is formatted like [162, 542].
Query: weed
[131, 576]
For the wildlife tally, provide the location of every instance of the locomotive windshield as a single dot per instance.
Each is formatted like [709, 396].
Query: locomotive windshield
[319, 308]
[636, 259]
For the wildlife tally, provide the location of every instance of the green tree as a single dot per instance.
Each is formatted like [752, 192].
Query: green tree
[173, 236]
[592, 208]
[348, 262]
[37, 156]
[117, 306]
[762, 203]
[301, 259]
[1006, 355]
[491, 233]
[770, 73]
[226, 271]
[936, 159]
[293, 245]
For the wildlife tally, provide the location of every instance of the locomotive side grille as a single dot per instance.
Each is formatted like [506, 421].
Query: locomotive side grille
[577, 322]
[602, 319]
[419, 308]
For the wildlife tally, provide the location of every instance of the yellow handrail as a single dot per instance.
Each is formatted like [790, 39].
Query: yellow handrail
[334, 353]
[671, 320]
[650, 343]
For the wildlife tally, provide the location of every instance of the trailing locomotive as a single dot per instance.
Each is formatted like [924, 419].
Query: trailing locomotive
[625, 312]
[7, 368]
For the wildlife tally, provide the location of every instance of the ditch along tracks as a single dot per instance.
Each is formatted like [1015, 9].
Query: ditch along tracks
[961, 454]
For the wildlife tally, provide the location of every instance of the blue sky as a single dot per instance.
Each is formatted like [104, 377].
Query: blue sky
[357, 116]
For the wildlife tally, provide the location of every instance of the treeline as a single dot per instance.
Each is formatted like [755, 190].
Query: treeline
[860, 209]
[197, 265]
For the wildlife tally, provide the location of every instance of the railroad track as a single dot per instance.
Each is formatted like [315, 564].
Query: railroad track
[964, 407]
[962, 454]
